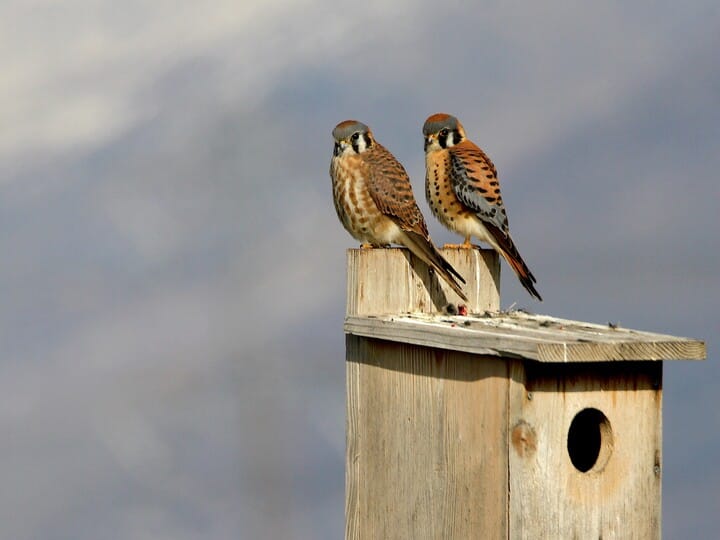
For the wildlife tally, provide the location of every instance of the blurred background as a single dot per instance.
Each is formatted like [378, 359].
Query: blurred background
[173, 272]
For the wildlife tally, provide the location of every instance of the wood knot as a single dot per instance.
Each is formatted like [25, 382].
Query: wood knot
[524, 439]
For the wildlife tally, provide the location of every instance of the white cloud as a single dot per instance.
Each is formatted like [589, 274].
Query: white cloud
[72, 70]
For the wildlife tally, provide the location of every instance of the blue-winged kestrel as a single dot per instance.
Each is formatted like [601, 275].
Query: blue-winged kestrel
[374, 199]
[462, 189]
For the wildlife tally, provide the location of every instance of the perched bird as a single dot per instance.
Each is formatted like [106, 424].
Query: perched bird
[462, 189]
[374, 199]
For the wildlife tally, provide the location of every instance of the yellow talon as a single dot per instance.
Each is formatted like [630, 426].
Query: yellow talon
[465, 245]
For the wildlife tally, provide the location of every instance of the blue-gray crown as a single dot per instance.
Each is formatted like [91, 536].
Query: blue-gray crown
[439, 121]
[344, 129]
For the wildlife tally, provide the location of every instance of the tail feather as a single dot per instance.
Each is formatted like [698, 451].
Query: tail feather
[424, 249]
[521, 271]
[506, 247]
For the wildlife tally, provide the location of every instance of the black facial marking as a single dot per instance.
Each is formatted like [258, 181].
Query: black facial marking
[442, 138]
[336, 150]
[356, 137]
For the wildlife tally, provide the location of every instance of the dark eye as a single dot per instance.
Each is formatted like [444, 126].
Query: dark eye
[355, 136]
[443, 132]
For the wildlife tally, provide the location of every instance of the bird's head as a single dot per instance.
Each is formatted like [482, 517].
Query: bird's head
[352, 136]
[442, 131]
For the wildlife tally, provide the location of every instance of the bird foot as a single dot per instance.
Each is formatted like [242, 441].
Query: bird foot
[465, 245]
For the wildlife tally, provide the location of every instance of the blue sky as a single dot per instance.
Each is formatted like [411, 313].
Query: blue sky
[173, 279]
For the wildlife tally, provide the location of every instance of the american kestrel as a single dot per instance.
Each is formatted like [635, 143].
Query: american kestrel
[463, 192]
[374, 199]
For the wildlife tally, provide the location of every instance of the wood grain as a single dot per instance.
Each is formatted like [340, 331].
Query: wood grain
[391, 280]
[531, 337]
[426, 453]
[618, 499]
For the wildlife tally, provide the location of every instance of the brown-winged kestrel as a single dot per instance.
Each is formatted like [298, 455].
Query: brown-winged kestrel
[374, 199]
[462, 189]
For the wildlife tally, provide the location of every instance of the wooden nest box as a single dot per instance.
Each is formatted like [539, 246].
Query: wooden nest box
[495, 425]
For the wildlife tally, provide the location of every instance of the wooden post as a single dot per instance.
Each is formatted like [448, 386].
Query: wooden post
[494, 426]
[394, 281]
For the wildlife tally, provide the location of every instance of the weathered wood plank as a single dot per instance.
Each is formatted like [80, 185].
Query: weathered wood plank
[616, 498]
[352, 438]
[393, 281]
[427, 446]
[519, 335]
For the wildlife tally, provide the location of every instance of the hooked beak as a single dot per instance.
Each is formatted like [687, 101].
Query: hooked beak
[428, 141]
